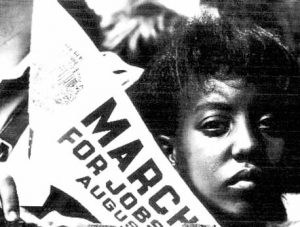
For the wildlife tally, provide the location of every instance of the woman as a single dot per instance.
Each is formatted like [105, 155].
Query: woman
[221, 100]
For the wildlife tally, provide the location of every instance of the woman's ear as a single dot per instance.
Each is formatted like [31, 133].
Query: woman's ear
[167, 145]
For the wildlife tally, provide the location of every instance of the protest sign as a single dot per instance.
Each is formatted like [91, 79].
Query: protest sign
[87, 138]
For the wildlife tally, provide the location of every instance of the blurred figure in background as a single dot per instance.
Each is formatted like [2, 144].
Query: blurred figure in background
[134, 29]
[135, 20]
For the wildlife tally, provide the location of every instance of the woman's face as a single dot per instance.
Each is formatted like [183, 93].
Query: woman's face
[227, 148]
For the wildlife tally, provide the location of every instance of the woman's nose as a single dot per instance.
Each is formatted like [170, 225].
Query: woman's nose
[246, 141]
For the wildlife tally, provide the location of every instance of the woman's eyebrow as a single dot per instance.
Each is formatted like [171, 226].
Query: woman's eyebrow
[213, 106]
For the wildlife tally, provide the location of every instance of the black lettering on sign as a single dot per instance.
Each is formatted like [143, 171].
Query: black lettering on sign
[180, 216]
[126, 153]
[119, 217]
[140, 175]
[119, 71]
[109, 204]
[114, 128]
[141, 214]
[155, 223]
[83, 150]
[167, 189]
[115, 191]
[131, 224]
[128, 200]
[68, 135]
[98, 164]
[85, 181]
[97, 195]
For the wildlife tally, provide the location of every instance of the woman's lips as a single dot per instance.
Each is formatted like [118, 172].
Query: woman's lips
[245, 180]
[243, 185]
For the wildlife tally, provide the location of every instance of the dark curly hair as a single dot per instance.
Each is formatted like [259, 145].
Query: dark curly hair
[203, 49]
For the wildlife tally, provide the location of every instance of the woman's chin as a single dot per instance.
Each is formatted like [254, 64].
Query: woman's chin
[241, 210]
[246, 211]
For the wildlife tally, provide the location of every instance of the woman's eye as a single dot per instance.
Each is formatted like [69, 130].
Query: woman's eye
[214, 127]
[269, 125]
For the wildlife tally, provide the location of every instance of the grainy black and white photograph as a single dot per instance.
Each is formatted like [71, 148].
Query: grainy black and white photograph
[149, 113]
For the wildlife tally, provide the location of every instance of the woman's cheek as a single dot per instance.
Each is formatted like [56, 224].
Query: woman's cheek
[275, 149]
